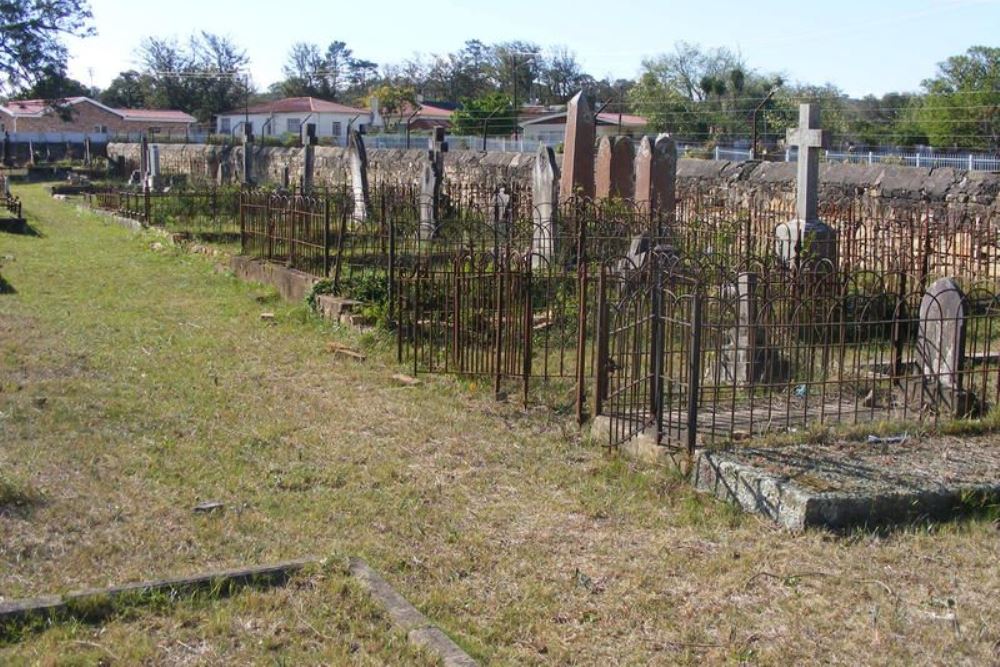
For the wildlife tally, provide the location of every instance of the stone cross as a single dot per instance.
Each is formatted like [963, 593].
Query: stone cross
[807, 233]
[544, 198]
[308, 157]
[357, 159]
[431, 178]
[656, 176]
[614, 177]
[941, 347]
[578, 150]
[809, 139]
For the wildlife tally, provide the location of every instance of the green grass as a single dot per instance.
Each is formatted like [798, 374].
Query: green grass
[135, 383]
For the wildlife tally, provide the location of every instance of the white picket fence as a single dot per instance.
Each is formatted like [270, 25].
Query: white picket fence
[969, 161]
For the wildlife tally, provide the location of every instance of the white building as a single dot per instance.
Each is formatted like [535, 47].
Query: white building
[550, 129]
[291, 115]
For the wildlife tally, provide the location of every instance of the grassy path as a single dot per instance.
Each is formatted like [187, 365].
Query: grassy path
[136, 383]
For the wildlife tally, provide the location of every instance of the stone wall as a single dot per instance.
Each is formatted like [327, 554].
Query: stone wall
[875, 187]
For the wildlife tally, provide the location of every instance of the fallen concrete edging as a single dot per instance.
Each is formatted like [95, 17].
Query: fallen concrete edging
[46, 607]
[419, 630]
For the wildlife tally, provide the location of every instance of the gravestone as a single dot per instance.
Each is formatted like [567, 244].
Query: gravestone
[153, 175]
[222, 174]
[8, 154]
[941, 349]
[807, 242]
[544, 197]
[144, 157]
[500, 212]
[86, 152]
[615, 168]
[577, 178]
[308, 157]
[247, 155]
[746, 358]
[31, 153]
[431, 177]
[656, 176]
[357, 164]
[286, 177]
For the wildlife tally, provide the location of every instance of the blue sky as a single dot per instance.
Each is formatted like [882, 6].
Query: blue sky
[861, 46]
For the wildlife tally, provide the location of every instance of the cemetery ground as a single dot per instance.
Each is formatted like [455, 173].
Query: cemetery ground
[137, 383]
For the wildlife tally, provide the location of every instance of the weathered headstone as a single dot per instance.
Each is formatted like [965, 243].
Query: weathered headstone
[308, 157]
[545, 197]
[615, 170]
[8, 154]
[86, 152]
[746, 358]
[247, 155]
[577, 177]
[357, 164]
[807, 242]
[153, 175]
[222, 174]
[941, 348]
[144, 157]
[656, 176]
[431, 179]
[500, 211]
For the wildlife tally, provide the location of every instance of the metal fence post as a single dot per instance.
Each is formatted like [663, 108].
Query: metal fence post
[694, 372]
[326, 235]
[656, 348]
[602, 341]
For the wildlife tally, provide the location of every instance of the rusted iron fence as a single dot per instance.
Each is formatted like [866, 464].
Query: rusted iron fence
[13, 206]
[212, 214]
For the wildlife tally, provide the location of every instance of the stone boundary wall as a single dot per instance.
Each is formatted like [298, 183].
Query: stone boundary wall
[878, 188]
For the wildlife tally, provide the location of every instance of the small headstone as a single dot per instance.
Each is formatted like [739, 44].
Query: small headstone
[656, 176]
[746, 358]
[615, 172]
[577, 177]
[500, 211]
[941, 348]
[153, 175]
[545, 195]
[357, 158]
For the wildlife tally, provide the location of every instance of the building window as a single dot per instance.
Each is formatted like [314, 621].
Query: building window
[294, 125]
[101, 129]
[155, 130]
[336, 128]
[224, 125]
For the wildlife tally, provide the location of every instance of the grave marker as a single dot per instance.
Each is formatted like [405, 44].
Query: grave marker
[615, 172]
[746, 358]
[656, 176]
[308, 157]
[577, 177]
[501, 212]
[941, 348]
[806, 239]
[545, 195]
[430, 183]
[247, 155]
[357, 159]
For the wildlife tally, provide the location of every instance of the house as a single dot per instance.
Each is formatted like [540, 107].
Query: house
[550, 129]
[291, 114]
[82, 114]
[420, 117]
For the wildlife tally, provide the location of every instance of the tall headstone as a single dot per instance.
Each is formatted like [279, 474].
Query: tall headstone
[143, 157]
[8, 155]
[807, 242]
[153, 162]
[614, 177]
[941, 348]
[545, 198]
[577, 177]
[357, 164]
[308, 157]
[248, 178]
[432, 176]
[656, 176]
[87, 158]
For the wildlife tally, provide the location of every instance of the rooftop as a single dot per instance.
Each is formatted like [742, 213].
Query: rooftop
[298, 105]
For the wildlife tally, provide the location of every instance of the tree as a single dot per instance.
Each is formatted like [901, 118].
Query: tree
[53, 84]
[30, 34]
[962, 106]
[393, 100]
[491, 114]
[126, 91]
[331, 75]
[204, 78]
[304, 73]
[560, 77]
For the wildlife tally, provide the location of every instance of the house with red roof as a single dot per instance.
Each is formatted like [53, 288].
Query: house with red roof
[290, 115]
[83, 114]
